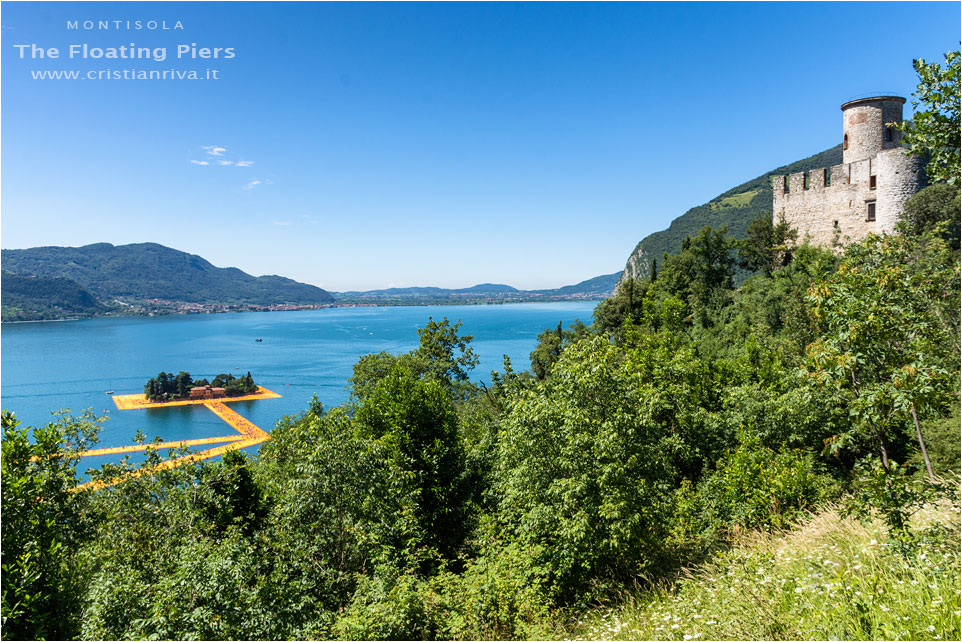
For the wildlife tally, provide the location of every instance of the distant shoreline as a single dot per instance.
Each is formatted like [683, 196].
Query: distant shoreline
[52, 320]
[395, 304]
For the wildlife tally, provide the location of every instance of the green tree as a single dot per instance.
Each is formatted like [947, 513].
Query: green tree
[701, 274]
[442, 354]
[882, 350]
[626, 303]
[235, 387]
[182, 385]
[935, 126]
[767, 246]
[415, 418]
[935, 206]
[221, 380]
[580, 472]
[445, 354]
[551, 343]
[43, 525]
[753, 486]
[230, 496]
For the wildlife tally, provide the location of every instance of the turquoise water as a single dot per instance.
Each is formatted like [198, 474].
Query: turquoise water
[46, 366]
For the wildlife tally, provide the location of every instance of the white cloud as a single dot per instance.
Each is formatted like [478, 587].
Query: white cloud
[214, 151]
[254, 183]
[283, 223]
[244, 163]
[225, 162]
[197, 162]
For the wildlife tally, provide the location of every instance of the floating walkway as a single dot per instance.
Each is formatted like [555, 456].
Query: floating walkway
[134, 402]
[250, 435]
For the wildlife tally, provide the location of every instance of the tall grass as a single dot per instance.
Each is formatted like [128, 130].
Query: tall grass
[832, 578]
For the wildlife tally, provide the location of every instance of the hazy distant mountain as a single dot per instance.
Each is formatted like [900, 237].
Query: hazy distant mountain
[489, 287]
[144, 271]
[597, 287]
[482, 288]
[600, 285]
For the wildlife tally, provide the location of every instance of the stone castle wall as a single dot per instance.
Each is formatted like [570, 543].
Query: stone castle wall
[821, 213]
[899, 177]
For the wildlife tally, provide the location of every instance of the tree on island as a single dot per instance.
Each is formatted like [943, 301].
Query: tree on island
[163, 387]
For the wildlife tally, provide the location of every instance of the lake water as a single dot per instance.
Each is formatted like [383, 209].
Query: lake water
[46, 366]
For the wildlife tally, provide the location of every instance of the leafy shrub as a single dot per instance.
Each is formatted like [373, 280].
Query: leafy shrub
[580, 472]
[936, 205]
[500, 595]
[394, 604]
[752, 487]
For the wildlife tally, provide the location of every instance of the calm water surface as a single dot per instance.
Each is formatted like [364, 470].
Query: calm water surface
[46, 366]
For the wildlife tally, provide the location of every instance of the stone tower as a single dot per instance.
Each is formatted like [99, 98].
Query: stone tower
[868, 126]
[865, 194]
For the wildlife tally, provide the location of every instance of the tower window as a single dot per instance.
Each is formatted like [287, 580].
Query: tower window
[845, 141]
[888, 134]
[870, 211]
[827, 177]
[805, 183]
[785, 184]
[871, 182]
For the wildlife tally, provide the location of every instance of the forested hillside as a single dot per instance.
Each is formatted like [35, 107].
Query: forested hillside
[144, 271]
[28, 298]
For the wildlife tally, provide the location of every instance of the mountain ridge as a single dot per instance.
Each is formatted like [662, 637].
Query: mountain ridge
[596, 286]
[150, 274]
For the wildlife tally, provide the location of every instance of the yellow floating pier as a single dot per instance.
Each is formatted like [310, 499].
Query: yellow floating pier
[157, 446]
[132, 402]
[250, 435]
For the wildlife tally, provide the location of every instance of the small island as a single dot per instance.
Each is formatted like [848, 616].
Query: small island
[169, 387]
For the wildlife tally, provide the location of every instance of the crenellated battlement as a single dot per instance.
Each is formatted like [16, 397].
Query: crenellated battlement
[837, 177]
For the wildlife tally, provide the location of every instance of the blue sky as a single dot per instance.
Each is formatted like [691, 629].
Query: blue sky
[367, 145]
